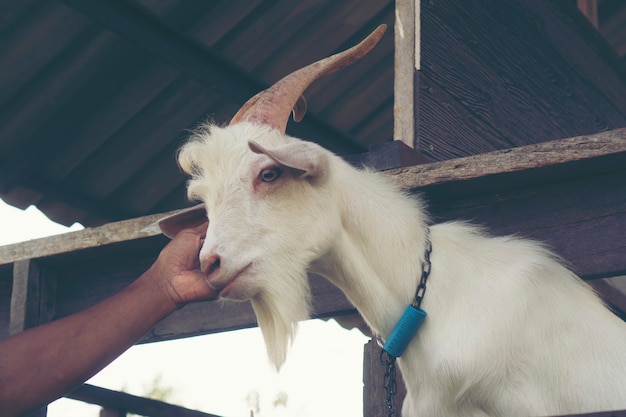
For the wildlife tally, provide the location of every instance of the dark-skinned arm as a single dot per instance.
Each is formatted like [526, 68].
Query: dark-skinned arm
[40, 365]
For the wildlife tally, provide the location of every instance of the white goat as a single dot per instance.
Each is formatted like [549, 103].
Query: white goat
[510, 331]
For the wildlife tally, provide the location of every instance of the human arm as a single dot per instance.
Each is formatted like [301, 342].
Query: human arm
[45, 362]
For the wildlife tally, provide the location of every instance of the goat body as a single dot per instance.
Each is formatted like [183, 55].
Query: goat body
[510, 331]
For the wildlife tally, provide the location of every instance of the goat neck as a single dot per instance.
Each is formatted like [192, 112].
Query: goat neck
[376, 260]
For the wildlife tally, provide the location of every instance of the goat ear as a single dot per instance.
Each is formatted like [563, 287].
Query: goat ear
[306, 159]
[183, 219]
[299, 109]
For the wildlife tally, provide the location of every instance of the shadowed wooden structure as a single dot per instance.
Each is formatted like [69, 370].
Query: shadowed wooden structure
[514, 108]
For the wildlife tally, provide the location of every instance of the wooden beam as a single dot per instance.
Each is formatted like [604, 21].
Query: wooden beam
[112, 233]
[24, 297]
[559, 154]
[406, 84]
[130, 403]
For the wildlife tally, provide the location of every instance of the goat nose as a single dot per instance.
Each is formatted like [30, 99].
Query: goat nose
[210, 264]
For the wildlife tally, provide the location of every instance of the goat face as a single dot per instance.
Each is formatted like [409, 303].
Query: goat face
[262, 189]
[270, 215]
[263, 195]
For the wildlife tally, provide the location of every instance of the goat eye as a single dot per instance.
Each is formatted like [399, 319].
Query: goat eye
[270, 174]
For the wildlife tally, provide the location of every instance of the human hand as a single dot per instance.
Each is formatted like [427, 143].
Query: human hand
[177, 269]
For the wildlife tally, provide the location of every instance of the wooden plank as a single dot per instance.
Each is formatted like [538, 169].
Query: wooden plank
[374, 395]
[131, 403]
[124, 231]
[25, 296]
[406, 67]
[524, 159]
[473, 53]
[453, 124]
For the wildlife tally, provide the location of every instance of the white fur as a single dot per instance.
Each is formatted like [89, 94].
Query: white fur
[510, 331]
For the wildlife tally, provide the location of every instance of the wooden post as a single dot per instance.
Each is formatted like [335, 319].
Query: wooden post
[29, 303]
[373, 378]
[407, 62]
[25, 296]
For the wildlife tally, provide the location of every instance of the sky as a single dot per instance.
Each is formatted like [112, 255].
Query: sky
[217, 373]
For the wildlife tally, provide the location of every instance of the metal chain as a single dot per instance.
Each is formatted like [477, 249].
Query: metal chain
[421, 288]
[389, 382]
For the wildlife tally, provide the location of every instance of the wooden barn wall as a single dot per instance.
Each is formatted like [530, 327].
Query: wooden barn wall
[497, 74]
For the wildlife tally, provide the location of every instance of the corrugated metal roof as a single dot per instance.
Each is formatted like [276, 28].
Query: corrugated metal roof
[95, 97]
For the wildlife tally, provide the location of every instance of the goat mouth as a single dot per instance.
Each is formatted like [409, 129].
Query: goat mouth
[224, 288]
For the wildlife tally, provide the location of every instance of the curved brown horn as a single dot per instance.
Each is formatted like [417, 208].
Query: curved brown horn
[271, 107]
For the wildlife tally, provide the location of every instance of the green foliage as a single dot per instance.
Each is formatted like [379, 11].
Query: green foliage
[157, 390]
